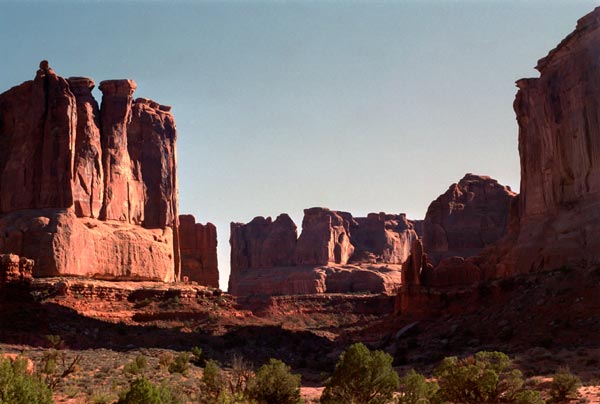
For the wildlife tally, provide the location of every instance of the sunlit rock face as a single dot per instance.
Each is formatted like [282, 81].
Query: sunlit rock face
[335, 253]
[559, 145]
[84, 190]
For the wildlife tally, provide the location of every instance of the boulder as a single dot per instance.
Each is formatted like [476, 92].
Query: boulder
[471, 215]
[198, 246]
[15, 270]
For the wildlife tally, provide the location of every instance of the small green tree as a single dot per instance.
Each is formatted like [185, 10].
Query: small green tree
[181, 364]
[487, 377]
[415, 389]
[361, 377]
[274, 383]
[137, 366]
[17, 386]
[564, 385]
[143, 391]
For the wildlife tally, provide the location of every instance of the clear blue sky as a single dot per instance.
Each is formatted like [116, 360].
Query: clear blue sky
[357, 106]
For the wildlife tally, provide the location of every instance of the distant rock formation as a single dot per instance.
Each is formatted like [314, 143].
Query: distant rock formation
[382, 237]
[335, 253]
[325, 238]
[87, 191]
[263, 243]
[559, 145]
[198, 244]
[470, 215]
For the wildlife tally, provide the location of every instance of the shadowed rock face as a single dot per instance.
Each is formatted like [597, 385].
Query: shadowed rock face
[472, 214]
[63, 160]
[559, 145]
[263, 243]
[198, 244]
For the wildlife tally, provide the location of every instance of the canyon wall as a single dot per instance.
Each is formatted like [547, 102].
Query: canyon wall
[559, 146]
[88, 191]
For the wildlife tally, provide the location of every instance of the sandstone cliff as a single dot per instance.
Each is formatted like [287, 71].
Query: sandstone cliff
[335, 253]
[84, 190]
[559, 145]
[198, 245]
[470, 215]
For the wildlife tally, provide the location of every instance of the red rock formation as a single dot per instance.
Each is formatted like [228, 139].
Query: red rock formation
[123, 199]
[559, 145]
[15, 270]
[64, 164]
[471, 215]
[263, 243]
[88, 186]
[37, 137]
[266, 258]
[198, 244]
[151, 137]
[380, 237]
[325, 238]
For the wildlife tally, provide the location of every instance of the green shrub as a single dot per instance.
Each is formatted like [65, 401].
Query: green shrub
[218, 388]
[564, 385]
[274, 383]
[17, 386]
[415, 389]
[197, 356]
[181, 364]
[361, 377]
[143, 391]
[137, 366]
[487, 377]
[528, 397]
[165, 359]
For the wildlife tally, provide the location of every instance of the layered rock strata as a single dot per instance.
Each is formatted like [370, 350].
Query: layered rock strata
[84, 190]
[198, 246]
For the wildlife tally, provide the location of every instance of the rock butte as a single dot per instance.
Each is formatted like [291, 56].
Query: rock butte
[88, 191]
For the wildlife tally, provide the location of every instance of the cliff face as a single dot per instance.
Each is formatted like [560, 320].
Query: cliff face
[334, 253]
[559, 145]
[198, 245]
[470, 215]
[78, 182]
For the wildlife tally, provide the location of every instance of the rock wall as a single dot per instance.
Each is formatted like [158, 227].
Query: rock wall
[471, 215]
[382, 237]
[84, 190]
[325, 238]
[559, 145]
[198, 246]
[335, 253]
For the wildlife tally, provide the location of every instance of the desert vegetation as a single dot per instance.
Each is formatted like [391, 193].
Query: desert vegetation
[361, 376]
